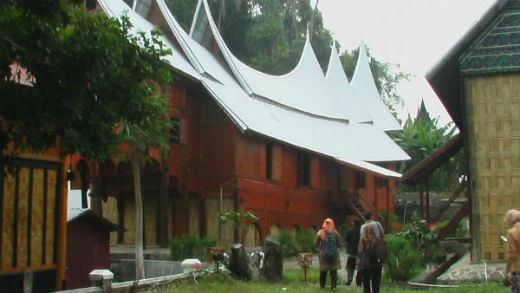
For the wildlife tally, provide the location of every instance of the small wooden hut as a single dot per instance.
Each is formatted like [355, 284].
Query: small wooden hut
[88, 246]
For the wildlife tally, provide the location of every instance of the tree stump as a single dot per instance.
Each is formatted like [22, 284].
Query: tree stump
[273, 264]
[240, 262]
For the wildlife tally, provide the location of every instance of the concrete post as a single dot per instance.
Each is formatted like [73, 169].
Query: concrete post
[102, 278]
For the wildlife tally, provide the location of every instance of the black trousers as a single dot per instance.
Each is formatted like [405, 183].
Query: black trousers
[333, 278]
[351, 267]
[372, 275]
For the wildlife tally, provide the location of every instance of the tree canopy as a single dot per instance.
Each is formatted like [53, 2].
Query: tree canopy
[86, 73]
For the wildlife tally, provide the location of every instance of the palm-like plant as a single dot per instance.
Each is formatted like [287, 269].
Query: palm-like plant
[421, 137]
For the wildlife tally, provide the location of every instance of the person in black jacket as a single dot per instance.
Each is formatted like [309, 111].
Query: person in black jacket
[352, 241]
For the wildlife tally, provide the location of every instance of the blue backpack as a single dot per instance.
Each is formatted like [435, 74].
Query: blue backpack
[329, 246]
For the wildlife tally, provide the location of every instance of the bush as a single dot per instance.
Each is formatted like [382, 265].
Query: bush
[422, 239]
[190, 246]
[293, 243]
[403, 261]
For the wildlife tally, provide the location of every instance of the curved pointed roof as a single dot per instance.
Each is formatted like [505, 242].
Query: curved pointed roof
[354, 144]
[366, 91]
[338, 83]
[302, 89]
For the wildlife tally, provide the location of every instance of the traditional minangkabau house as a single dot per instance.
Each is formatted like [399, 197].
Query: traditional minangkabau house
[477, 81]
[293, 149]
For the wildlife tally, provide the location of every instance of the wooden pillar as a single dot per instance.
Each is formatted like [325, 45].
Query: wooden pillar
[388, 206]
[467, 192]
[62, 226]
[120, 217]
[96, 192]
[84, 185]
[376, 183]
[421, 202]
[427, 201]
[162, 224]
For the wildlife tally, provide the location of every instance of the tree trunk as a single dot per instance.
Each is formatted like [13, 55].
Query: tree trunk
[136, 170]
[163, 202]
[95, 194]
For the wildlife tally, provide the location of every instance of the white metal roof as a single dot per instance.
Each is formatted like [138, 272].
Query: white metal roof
[364, 87]
[176, 59]
[304, 88]
[325, 132]
[338, 83]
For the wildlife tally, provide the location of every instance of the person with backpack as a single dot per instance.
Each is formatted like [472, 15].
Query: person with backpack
[328, 240]
[372, 251]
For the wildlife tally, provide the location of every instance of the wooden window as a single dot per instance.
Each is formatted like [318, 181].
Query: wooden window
[174, 132]
[304, 169]
[269, 160]
[360, 180]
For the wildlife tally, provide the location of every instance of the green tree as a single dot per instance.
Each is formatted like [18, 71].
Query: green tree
[140, 137]
[421, 137]
[87, 76]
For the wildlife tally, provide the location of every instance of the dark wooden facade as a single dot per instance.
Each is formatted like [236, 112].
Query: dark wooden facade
[285, 186]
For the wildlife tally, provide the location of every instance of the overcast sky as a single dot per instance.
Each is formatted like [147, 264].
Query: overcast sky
[413, 33]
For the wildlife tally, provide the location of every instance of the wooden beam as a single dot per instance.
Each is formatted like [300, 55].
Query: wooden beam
[427, 200]
[355, 209]
[446, 205]
[62, 225]
[464, 210]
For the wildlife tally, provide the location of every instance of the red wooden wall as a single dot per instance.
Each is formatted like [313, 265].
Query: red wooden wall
[88, 248]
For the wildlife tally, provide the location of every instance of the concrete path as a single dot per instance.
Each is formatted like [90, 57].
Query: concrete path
[465, 270]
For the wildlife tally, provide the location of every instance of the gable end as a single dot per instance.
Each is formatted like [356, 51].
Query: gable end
[497, 50]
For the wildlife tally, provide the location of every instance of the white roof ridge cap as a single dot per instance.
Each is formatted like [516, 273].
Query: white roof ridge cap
[362, 64]
[174, 27]
[286, 107]
[293, 70]
[228, 56]
[334, 60]
[195, 16]
[307, 47]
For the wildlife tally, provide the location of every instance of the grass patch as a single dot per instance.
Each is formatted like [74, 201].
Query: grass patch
[291, 282]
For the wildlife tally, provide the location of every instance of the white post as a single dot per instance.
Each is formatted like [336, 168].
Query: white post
[102, 278]
[27, 281]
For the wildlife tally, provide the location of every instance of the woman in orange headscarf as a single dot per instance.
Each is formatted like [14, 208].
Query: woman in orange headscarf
[328, 242]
